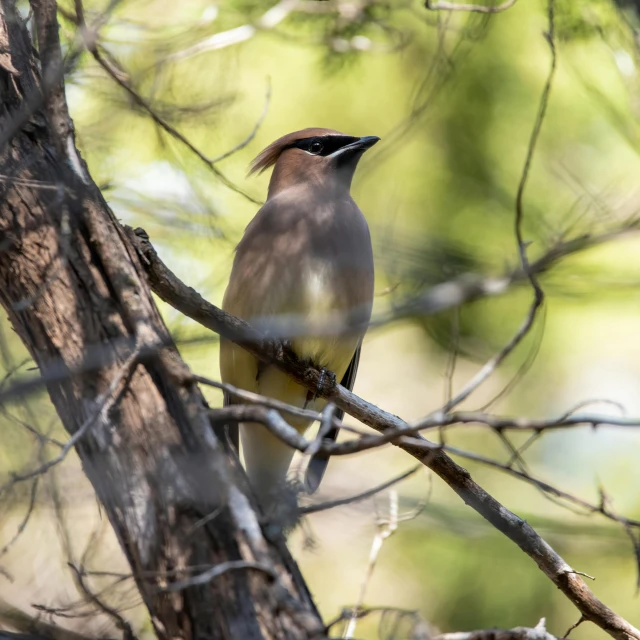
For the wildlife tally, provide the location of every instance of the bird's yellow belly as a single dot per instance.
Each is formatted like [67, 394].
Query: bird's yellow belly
[310, 304]
[318, 313]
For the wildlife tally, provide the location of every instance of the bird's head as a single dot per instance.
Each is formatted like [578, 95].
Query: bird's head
[321, 157]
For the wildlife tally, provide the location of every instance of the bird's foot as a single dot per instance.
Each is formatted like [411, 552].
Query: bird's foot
[277, 347]
[326, 375]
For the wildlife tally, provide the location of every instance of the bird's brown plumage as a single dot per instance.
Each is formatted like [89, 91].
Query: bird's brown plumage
[305, 260]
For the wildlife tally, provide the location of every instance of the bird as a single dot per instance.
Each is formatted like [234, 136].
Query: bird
[306, 256]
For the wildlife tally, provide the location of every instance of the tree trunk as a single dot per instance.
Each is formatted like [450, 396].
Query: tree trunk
[78, 298]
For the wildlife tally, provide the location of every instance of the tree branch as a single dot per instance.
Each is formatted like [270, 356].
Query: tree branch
[539, 632]
[186, 300]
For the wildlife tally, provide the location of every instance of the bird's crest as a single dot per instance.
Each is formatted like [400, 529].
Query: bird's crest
[270, 155]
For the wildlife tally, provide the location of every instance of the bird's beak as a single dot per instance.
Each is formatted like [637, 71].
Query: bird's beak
[365, 143]
[362, 144]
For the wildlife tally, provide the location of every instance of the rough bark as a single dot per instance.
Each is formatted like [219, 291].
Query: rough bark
[76, 295]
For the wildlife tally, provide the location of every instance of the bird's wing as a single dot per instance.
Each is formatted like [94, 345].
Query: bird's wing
[318, 464]
[231, 430]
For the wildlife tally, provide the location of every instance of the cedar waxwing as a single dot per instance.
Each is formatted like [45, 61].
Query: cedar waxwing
[306, 255]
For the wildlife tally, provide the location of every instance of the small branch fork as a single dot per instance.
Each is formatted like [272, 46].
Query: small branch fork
[273, 421]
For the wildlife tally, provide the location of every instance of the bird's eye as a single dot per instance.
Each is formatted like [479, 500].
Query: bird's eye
[316, 147]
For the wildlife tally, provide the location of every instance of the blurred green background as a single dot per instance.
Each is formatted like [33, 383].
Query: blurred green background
[454, 97]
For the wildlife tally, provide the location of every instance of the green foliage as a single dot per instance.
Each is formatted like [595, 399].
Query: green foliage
[585, 19]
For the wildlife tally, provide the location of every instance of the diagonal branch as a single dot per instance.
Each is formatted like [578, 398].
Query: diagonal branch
[186, 300]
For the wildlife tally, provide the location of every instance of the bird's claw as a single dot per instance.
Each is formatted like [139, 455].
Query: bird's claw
[325, 374]
[278, 347]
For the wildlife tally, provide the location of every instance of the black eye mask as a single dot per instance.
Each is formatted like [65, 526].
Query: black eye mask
[324, 145]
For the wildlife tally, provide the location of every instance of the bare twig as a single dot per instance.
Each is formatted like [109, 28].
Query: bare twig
[474, 8]
[270, 19]
[121, 80]
[385, 528]
[581, 619]
[420, 625]
[538, 295]
[100, 412]
[215, 572]
[331, 504]
[252, 135]
[539, 632]
[114, 614]
[90, 40]
[270, 418]
[326, 424]
[498, 423]
[41, 437]
[546, 487]
[35, 626]
[264, 401]
[23, 524]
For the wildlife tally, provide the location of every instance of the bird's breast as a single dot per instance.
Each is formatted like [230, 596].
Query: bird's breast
[303, 275]
[322, 310]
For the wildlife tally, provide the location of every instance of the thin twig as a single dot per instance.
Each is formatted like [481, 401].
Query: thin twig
[41, 437]
[498, 423]
[120, 622]
[23, 524]
[517, 633]
[103, 405]
[581, 619]
[267, 21]
[90, 40]
[326, 424]
[538, 294]
[474, 8]
[270, 418]
[385, 530]
[252, 135]
[331, 504]
[264, 401]
[215, 572]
